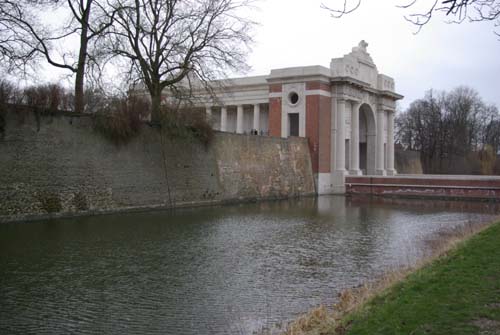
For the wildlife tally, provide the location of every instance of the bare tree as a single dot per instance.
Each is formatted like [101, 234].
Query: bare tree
[491, 133]
[168, 43]
[25, 38]
[449, 129]
[457, 10]
[8, 93]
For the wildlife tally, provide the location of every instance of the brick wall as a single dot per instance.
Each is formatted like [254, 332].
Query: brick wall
[275, 111]
[60, 165]
[275, 117]
[325, 133]
[423, 186]
[318, 131]
[312, 128]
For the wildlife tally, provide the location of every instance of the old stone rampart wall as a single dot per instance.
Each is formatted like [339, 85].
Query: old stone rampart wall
[59, 165]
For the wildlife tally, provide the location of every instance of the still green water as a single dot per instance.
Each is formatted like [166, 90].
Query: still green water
[218, 270]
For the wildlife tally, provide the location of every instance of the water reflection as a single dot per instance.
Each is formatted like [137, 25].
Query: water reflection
[219, 270]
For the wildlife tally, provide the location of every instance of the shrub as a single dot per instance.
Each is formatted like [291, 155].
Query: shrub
[187, 123]
[8, 95]
[8, 92]
[119, 118]
[3, 122]
[487, 159]
[48, 98]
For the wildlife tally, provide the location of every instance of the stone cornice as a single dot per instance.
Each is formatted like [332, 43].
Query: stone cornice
[298, 79]
[366, 87]
[392, 95]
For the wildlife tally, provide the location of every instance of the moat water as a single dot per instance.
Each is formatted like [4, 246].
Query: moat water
[219, 270]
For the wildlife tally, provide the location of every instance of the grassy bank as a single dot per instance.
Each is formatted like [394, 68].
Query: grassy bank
[457, 293]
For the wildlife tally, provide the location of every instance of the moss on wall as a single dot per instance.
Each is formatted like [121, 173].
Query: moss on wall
[50, 201]
[61, 165]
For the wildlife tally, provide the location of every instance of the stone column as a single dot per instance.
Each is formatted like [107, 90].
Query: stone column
[239, 119]
[223, 119]
[390, 143]
[340, 150]
[379, 166]
[256, 117]
[338, 176]
[333, 139]
[354, 162]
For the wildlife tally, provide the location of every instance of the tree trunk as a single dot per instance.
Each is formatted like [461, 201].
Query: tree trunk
[155, 106]
[82, 60]
[79, 91]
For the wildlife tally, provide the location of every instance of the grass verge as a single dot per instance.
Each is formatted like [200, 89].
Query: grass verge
[454, 291]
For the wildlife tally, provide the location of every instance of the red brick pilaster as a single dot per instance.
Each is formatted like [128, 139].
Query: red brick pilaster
[317, 85]
[275, 111]
[325, 133]
[318, 125]
[275, 117]
[318, 132]
[312, 129]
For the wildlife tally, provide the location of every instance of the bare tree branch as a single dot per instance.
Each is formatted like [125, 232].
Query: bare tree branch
[169, 43]
[25, 39]
[338, 13]
[457, 10]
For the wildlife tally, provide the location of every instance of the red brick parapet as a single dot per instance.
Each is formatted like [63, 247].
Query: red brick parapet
[471, 187]
[275, 88]
[275, 117]
[318, 85]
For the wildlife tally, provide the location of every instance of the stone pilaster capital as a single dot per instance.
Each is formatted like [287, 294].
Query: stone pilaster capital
[341, 102]
[355, 103]
[383, 108]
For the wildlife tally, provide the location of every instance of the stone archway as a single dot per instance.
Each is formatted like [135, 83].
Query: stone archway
[367, 139]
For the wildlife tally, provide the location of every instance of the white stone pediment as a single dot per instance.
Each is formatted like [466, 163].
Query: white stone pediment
[359, 65]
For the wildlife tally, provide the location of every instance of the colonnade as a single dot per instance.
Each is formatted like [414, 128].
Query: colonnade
[239, 117]
[384, 156]
[380, 162]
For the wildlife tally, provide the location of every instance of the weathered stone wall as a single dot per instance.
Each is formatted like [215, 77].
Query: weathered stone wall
[59, 165]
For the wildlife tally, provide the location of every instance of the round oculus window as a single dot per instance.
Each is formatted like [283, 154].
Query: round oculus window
[293, 98]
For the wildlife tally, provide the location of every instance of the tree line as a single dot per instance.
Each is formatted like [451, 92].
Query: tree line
[161, 44]
[456, 132]
[118, 117]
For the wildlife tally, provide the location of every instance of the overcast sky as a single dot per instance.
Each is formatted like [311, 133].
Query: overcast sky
[440, 56]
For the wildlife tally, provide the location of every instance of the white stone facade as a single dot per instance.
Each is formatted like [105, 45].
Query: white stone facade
[346, 111]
